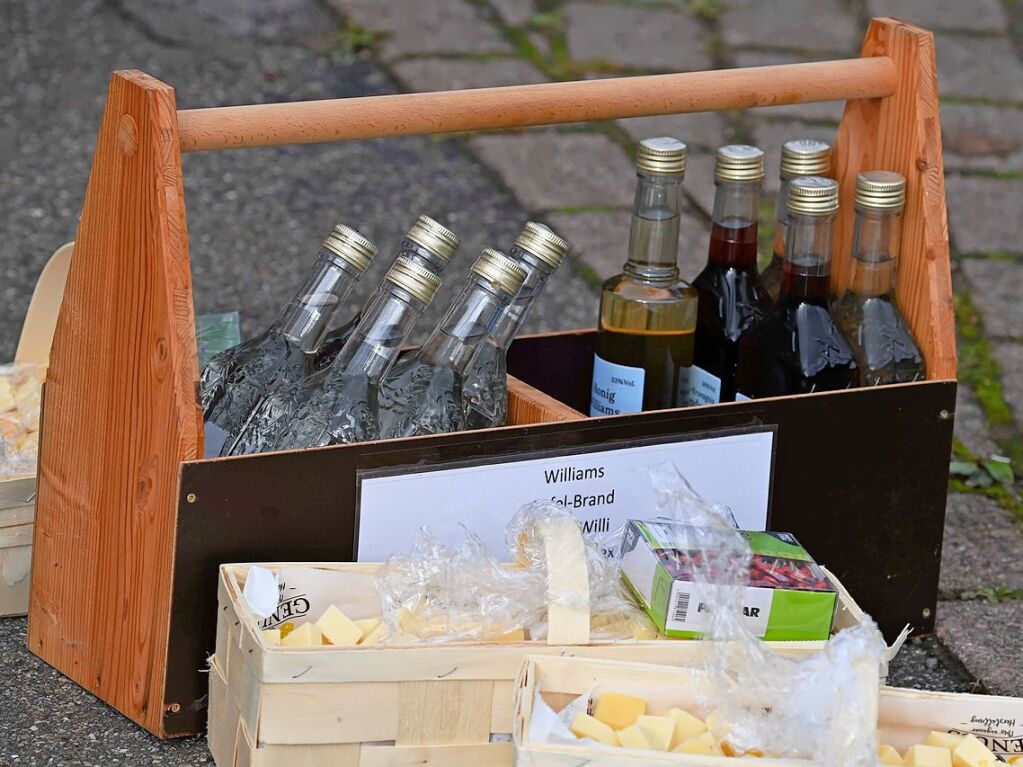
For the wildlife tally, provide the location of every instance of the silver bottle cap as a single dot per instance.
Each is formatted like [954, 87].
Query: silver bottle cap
[434, 237]
[503, 273]
[881, 190]
[543, 243]
[805, 157]
[417, 280]
[739, 162]
[351, 246]
[813, 196]
[661, 156]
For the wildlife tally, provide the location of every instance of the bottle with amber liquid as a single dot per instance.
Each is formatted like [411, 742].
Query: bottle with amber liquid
[799, 157]
[798, 348]
[732, 299]
[867, 314]
[647, 313]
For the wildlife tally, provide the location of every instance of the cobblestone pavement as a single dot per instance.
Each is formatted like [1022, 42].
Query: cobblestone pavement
[270, 205]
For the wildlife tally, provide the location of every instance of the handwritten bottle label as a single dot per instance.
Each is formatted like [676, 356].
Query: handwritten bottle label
[698, 387]
[616, 388]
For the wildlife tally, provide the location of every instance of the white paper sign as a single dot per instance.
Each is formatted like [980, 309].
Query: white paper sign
[602, 488]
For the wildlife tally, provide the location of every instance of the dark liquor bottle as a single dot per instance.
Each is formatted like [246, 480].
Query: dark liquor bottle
[234, 381]
[799, 157]
[426, 244]
[732, 300]
[867, 314]
[647, 313]
[798, 348]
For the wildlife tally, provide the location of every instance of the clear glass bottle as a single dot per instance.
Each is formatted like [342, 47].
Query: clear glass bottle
[423, 392]
[867, 314]
[647, 313]
[234, 381]
[799, 157]
[732, 300]
[539, 251]
[427, 244]
[339, 403]
[798, 348]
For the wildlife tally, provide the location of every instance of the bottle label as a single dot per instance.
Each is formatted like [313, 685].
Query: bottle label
[740, 397]
[616, 388]
[698, 387]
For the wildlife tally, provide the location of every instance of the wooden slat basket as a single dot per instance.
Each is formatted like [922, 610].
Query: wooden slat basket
[905, 717]
[130, 532]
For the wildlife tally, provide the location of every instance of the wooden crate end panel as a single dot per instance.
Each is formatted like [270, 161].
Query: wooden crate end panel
[328, 713]
[443, 712]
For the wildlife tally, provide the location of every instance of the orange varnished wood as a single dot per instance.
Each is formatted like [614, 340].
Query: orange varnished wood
[517, 106]
[120, 415]
[527, 405]
[902, 133]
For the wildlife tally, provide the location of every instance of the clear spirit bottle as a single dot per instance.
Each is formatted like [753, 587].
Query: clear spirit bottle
[423, 392]
[647, 313]
[427, 244]
[867, 313]
[539, 251]
[799, 157]
[732, 299]
[338, 404]
[234, 381]
[798, 348]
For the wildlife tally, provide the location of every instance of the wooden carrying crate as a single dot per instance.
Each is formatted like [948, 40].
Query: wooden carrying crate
[396, 705]
[129, 531]
[905, 717]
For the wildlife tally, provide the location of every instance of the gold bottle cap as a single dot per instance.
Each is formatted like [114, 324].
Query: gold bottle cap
[805, 157]
[416, 279]
[351, 246]
[813, 196]
[739, 162]
[543, 243]
[661, 156]
[881, 190]
[434, 237]
[503, 273]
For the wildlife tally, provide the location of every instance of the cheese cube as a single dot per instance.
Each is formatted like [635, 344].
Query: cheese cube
[972, 753]
[272, 637]
[687, 726]
[702, 744]
[888, 755]
[367, 624]
[617, 710]
[947, 740]
[658, 730]
[633, 737]
[375, 635]
[338, 628]
[586, 726]
[928, 756]
[303, 636]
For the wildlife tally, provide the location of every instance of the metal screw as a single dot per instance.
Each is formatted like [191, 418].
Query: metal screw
[174, 707]
[944, 415]
[926, 612]
[191, 498]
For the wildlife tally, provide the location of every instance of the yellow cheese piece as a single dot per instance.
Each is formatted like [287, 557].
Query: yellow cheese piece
[302, 636]
[586, 726]
[618, 710]
[972, 753]
[687, 726]
[338, 627]
[658, 730]
[928, 756]
[633, 737]
[272, 637]
[701, 744]
[367, 624]
[888, 755]
[375, 635]
[518, 635]
[947, 740]
[1015, 759]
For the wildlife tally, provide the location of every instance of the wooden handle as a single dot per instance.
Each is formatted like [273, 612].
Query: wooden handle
[518, 106]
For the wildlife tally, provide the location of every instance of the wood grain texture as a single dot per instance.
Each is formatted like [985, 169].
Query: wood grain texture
[902, 132]
[120, 415]
[444, 713]
[517, 106]
[527, 405]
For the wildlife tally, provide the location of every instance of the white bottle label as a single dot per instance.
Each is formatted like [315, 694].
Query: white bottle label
[698, 387]
[616, 388]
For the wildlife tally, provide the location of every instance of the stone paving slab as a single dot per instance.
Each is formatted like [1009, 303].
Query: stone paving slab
[699, 181]
[981, 547]
[984, 213]
[982, 136]
[987, 639]
[1010, 357]
[974, 67]
[515, 12]
[975, 15]
[997, 289]
[453, 74]
[971, 424]
[821, 25]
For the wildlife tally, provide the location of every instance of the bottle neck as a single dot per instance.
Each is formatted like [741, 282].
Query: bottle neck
[465, 327]
[806, 273]
[514, 315]
[382, 331]
[874, 252]
[781, 215]
[421, 256]
[307, 317]
[733, 239]
[653, 238]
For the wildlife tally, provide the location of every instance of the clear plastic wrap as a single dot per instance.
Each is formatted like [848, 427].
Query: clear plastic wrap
[466, 593]
[20, 391]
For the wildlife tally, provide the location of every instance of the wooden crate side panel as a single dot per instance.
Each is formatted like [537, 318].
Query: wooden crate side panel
[352, 712]
[527, 405]
[222, 732]
[354, 755]
[903, 133]
[445, 713]
[15, 563]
